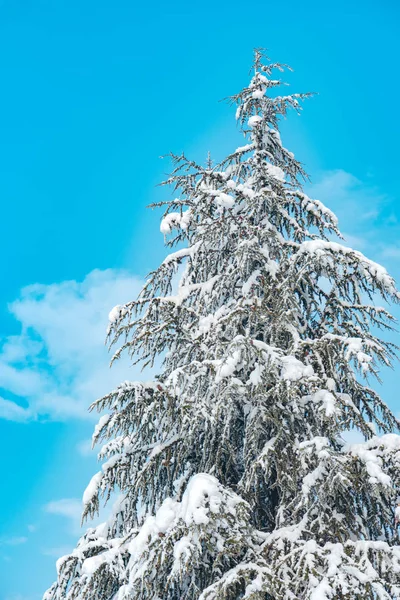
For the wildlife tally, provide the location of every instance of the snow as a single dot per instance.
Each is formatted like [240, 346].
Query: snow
[102, 422]
[203, 495]
[228, 366]
[372, 452]
[90, 565]
[319, 248]
[117, 313]
[111, 462]
[245, 148]
[185, 219]
[207, 322]
[293, 369]
[245, 190]
[60, 562]
[258, 94]
[327, 400]
[182, 253]
[331, 384]
[153, 526]
[311, 479]
[185, 290]
[277, 137]
[92, 489]
[260, 79]
[169, 222]
[322, 591]
[255, 376]
[182, 552]
[161, 447]
[221, 198]
[254, 121]
[247, 287]
[319, 444]
[397, 513]
[254, 587]
[354, 346]
[175, 220]
[225, 200]
[275, 172]
[315, 206]
[166, 515]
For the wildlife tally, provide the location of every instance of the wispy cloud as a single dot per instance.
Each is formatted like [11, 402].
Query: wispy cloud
[58, 364]
[366, 215]
[13, 541]
[344, 192]
[84, 448]
[12, 411]
[391, 252]
[356, 202]
[370, 215]
[69, 508]
[57, 551]
[354, 241]
[22, 597]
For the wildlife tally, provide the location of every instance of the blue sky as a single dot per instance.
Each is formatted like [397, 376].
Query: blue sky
[92, 94]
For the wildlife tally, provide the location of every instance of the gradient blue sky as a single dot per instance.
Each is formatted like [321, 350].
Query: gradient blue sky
[92, 93]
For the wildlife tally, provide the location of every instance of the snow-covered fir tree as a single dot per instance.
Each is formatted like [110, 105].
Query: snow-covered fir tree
[234, 477]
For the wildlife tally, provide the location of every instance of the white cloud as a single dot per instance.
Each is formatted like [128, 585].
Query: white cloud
[57, 552]
[13, 541]
[365, 214]
[69, 508]
[12, 411]
[354, 241]
[355, 202]
[340, 189]
[391, 252]
[370, 215]
[22, 597]
[84, 448]
[58, 364]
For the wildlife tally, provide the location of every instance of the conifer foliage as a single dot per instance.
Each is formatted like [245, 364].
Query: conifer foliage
[233, 475]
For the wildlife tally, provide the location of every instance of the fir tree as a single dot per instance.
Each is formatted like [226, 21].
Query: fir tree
[235, 481]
